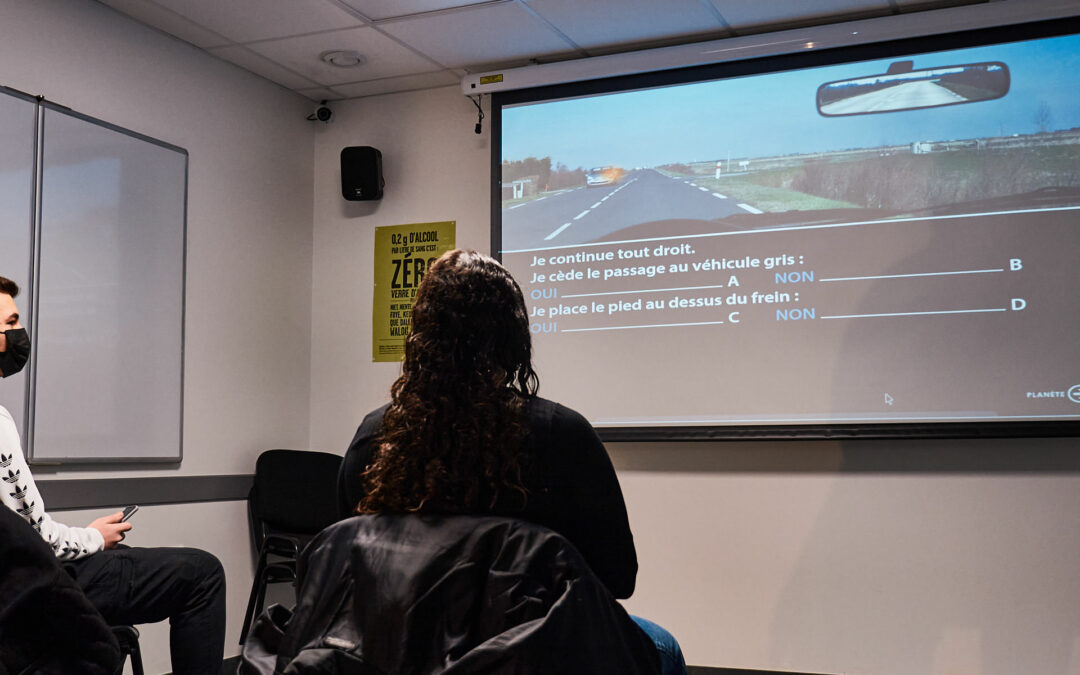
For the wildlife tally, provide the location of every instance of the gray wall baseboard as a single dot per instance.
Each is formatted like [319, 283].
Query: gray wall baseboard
[91, 493]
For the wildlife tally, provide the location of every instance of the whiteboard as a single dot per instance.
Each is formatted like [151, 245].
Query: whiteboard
[17, 120]
[106, 299]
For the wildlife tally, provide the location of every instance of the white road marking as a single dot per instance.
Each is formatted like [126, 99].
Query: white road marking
[586, 211]
[538, 199]
[597, 204]
[718, 195]
[703, 189]
[556, 232]
[749, 208]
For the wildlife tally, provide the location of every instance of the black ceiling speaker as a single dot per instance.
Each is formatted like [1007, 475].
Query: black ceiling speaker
[361, 173]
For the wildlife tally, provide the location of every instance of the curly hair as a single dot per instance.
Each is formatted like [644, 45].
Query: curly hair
[450, 440]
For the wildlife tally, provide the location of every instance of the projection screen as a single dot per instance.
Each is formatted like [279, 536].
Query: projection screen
[871, 241]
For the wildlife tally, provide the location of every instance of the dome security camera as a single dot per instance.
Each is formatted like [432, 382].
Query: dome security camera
[321, 114]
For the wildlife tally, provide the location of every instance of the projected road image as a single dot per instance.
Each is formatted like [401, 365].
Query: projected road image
[826, 144]
[582, 214]
[969, 176]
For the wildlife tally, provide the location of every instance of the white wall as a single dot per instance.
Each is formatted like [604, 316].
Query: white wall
[887, 557]
[248, 339]
[436, 168]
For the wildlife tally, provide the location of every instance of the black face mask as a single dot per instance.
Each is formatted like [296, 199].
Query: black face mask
[17, 354]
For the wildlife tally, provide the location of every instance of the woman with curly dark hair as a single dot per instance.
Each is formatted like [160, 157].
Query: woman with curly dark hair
[451, 438]
[466, 433]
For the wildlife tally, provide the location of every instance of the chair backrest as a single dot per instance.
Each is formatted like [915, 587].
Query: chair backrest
[295, 491]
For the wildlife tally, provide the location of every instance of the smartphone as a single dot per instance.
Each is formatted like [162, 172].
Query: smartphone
[129, 512]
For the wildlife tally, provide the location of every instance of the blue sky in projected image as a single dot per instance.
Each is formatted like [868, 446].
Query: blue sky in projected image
[775, 114]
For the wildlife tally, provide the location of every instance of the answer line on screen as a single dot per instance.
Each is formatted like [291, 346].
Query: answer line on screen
[657, 325]
[647, 290]
[947, 311]
[556, 232]
[922, 274]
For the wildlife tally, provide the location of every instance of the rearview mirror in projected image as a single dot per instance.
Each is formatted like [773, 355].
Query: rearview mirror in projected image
[762, 250]
[903, 88]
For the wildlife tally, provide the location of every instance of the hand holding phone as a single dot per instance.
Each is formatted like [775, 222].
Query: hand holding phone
[113, 529]
[129, 512]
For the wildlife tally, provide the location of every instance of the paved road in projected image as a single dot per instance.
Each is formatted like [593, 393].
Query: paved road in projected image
[587, 214]
[899, 97]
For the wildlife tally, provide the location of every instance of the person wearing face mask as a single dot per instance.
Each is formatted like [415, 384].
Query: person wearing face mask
[128, 585]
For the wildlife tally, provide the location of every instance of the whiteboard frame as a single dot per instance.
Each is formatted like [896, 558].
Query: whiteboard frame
[34, 294]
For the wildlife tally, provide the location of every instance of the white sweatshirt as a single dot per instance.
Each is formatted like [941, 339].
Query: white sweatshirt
[19, 493]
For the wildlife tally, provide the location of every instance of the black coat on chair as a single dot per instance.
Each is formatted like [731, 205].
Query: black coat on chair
[446, 594]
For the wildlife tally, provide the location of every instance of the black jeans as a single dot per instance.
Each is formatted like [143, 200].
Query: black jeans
[146, 585]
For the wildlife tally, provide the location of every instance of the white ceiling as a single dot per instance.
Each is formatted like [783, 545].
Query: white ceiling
[420, 44]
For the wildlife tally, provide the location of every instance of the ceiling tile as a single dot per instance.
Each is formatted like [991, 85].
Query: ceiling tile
[385, 58]
[441, 78]
[382, 9]
[260, 65]
[921, 5]
[247, 20]
[168, 21]
[743, 14]
[488, 33]
[321, 94]
[609, 22]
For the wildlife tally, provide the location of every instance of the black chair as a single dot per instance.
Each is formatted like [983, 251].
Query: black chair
[128, 637]
[294, 497]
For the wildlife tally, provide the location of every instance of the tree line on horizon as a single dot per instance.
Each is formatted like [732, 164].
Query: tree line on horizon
[560, 177]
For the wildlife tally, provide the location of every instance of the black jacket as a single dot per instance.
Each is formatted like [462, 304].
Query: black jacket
[447, 594]
[47, 626]
[571, 484]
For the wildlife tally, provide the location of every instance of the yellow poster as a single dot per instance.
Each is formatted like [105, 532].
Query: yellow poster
[402, 255]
